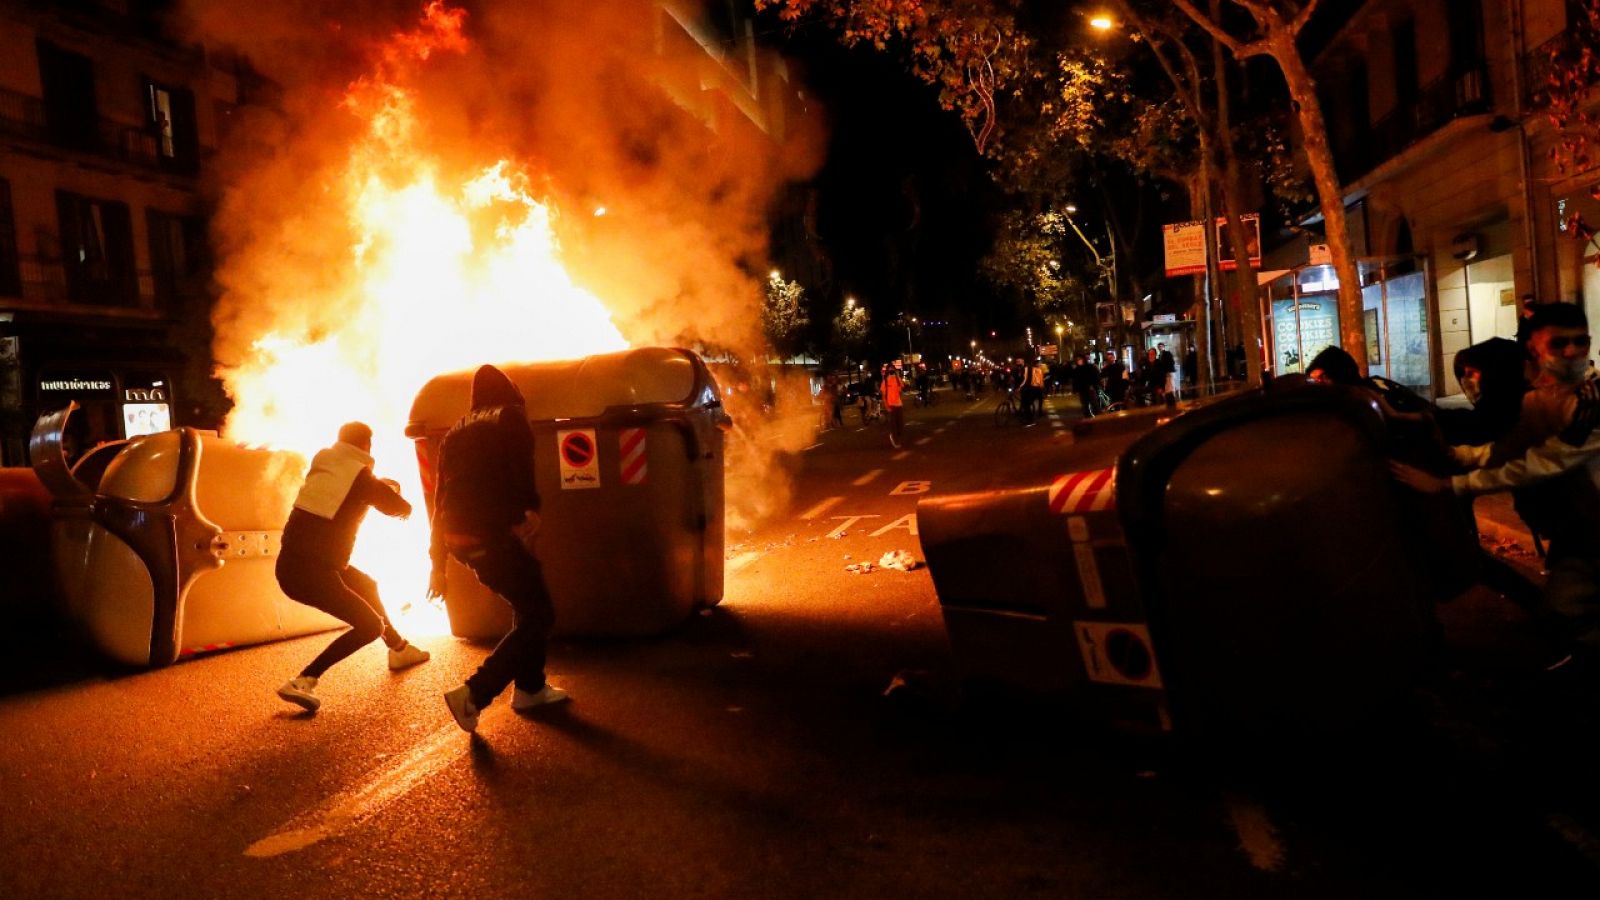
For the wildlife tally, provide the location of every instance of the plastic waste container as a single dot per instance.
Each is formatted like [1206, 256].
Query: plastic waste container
[1248, 568]
[164, 545]
[25, 544]
[628, 460]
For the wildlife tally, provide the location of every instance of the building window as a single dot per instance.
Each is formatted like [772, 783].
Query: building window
[97, 250]
[169, 117]
[1466, 38]
[177, 256]
[70, 113]
[10, 268]
[1407, 80]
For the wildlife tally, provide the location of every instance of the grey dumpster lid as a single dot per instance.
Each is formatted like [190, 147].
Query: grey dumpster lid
[573, 389]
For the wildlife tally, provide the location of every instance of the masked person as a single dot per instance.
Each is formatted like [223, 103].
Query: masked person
[1551, 461]
[485, 515]
[314, 564]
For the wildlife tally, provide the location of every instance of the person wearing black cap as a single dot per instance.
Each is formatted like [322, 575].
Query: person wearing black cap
[314, 563]
[485, 515]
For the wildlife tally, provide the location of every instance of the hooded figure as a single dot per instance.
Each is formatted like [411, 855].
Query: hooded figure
[485, 516]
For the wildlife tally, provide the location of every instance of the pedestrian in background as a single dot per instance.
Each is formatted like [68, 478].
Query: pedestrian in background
[314, 563]
[485, 515]
[1115, 378]
[1086, 383]
[894, 401]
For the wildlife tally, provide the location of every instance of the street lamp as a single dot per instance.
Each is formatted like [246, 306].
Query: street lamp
[1102, 22]
[1059, 330]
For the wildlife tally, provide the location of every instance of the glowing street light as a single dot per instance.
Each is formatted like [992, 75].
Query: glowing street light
[1102, 22]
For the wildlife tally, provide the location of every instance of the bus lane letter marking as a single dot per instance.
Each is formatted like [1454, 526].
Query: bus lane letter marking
[911, 487]
[822, 507]
[907, 521]
[848, 522]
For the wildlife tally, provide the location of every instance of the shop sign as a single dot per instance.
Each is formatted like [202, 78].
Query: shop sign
[1186, 245]
[75, 384]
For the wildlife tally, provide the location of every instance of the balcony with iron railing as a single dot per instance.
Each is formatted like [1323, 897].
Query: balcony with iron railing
[1457, 95]
[23, 116]
[45, 286]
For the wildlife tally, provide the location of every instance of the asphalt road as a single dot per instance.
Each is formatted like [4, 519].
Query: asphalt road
[807, 738]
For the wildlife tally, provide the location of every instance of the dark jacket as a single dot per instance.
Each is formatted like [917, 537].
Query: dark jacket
[485, 481]
[308, 536]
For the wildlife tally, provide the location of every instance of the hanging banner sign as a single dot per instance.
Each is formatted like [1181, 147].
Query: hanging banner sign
[580, 459]
[1186, 246]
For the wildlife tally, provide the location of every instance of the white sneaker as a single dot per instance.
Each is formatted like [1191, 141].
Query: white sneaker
[407, 656]
[462, 708]
[522, 700]
[298, 691]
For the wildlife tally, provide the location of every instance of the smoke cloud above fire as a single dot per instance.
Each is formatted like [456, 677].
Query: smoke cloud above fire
[604, 123]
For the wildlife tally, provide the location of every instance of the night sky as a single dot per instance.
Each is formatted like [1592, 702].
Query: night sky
[904, 203]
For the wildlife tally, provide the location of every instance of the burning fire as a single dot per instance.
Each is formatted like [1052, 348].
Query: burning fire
[442, 275]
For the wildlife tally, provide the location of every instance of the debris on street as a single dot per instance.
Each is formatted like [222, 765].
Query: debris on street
[899, 559]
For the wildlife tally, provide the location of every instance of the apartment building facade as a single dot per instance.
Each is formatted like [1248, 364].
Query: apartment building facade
[107, 125]
[1433, 114]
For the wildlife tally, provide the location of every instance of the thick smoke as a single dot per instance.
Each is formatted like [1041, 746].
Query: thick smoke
[603, 104]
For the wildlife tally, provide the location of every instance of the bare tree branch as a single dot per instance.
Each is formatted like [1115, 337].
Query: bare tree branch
[1302, 17]
[1241, 50]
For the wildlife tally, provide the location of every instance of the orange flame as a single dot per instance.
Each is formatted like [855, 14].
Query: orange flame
[441, 276]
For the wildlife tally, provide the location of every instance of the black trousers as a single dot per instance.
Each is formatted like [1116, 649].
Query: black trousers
[349, 595]
[507, 568]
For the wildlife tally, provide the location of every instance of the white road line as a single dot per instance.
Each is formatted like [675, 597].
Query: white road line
[1257, 836]
[822, 507]
[349, 809]
[903, 454]
[866, 479]
[813, 446]
[735, 563]
[922, 440]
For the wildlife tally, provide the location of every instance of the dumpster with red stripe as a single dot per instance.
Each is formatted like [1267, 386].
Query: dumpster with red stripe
[628, 462]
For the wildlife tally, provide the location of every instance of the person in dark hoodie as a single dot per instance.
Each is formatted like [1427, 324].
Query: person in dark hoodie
[485, 514]
[314, 563]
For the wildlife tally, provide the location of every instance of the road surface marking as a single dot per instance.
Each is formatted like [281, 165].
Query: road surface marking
[903, 454]
[867, 479]
[822, 507]
[911, 487]
[1257, 836]
[813, 446]
[848, 522]
[907, 522]
[736, 563]
[922, 440]
[349, 809]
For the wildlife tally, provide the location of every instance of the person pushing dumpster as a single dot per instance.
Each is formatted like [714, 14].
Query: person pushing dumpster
[485, 514]
[314, 565]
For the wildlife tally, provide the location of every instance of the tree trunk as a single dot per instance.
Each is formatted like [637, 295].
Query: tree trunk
[1232, 190]
[1314, 135]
